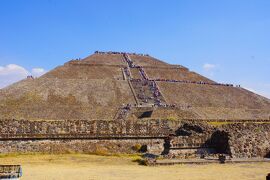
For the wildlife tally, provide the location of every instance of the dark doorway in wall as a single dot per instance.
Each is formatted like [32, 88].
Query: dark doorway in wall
[267, 155]
[220, 142]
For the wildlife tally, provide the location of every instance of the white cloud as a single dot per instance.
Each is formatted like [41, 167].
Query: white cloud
[12, 73]
[13, 69]
[209, 67]
[38, 72]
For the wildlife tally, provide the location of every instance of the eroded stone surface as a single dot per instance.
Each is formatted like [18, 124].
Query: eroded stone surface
[177, 138]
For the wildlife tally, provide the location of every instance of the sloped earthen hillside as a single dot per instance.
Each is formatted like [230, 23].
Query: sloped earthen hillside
[96, 87]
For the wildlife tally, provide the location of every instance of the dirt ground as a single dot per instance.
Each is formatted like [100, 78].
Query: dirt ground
[92, 167]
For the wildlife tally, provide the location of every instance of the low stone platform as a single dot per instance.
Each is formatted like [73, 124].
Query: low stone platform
[167, 162]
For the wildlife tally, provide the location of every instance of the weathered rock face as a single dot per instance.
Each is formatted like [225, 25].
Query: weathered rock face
[249, 140]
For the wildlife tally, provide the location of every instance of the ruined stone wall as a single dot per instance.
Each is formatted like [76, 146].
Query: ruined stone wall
[81, 146]
[192, 134]
[248, 140]
[190, 141]
[24, 129]
[102, 137]
[241, 140]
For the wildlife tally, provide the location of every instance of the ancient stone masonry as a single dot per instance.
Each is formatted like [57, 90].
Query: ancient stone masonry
[98, 146]
[190, 140]
[248, 139]
[238, 140]
[23, 129]
[83, 135]
[173, 138]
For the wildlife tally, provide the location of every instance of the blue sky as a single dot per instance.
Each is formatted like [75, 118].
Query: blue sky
[225, 40]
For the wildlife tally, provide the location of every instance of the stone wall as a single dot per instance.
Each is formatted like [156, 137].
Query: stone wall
[85, 136]
[81, 146]
[241, 140]
[191, 140]
[247, 140]
[24, 129]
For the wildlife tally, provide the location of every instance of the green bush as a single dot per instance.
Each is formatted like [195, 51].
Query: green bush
[172, 118]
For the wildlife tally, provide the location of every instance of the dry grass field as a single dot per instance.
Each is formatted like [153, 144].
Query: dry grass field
[92, 167]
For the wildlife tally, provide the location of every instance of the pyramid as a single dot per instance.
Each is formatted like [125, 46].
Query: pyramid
[116, 85]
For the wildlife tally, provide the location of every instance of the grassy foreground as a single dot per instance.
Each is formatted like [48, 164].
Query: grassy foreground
[123, 167]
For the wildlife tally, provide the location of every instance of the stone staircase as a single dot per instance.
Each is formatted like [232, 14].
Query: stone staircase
[146, 91]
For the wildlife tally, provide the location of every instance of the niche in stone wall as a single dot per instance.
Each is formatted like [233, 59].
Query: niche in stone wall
[220, 142]
[267, 155]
